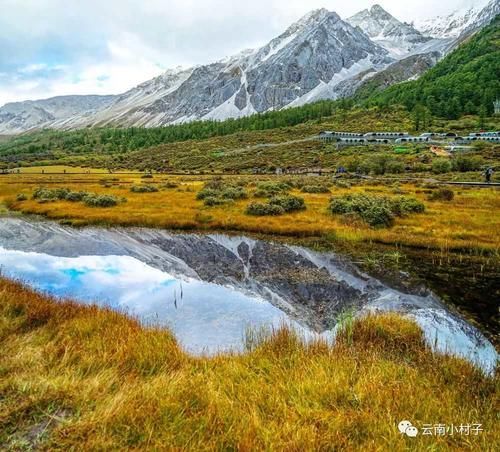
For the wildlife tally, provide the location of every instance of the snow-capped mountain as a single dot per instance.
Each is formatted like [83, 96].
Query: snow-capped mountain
[320, 56]
[459, 21]
[16, 117]
[397, 37]
[300, 65]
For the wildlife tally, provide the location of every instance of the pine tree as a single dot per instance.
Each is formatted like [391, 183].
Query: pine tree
[483, 111]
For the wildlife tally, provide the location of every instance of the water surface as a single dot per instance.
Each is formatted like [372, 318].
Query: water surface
[205, 317]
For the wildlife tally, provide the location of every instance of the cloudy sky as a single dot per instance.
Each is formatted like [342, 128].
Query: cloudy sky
[58, 47]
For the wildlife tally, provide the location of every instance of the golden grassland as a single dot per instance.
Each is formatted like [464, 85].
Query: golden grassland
[58, 169]
[76, 377]
[468, 222]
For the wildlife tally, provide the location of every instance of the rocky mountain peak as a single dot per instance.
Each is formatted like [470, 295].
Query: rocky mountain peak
[311, 20]
[395, 36]
[377, 10]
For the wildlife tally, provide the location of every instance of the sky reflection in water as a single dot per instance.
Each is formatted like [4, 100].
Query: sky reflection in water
[204, 317]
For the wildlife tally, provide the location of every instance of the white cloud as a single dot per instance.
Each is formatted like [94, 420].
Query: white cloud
[54, 47]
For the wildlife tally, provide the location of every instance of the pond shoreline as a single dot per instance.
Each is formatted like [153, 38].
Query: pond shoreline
[405, 267]
[312, 287]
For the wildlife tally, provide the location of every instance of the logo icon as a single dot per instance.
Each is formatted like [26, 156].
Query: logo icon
[408, 429]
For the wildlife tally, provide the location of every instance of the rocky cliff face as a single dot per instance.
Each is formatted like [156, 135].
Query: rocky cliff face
[408, 68]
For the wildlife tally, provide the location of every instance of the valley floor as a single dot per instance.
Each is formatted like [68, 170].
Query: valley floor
[77, 377]
[466, 223]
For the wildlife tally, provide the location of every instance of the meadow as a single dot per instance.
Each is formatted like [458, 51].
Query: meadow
[78, 377]
[464, 223]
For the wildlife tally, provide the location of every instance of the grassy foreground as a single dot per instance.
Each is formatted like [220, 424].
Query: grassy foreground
[82, 378]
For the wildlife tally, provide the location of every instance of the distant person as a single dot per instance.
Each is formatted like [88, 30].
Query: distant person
[488, 173]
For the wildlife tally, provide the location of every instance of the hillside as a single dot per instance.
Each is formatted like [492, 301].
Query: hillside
[464, 82]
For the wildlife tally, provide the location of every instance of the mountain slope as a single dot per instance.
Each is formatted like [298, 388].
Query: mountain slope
[20, 116]
[466, 81]
[125, 108]
[484, 17]
[299, 66]
[318, 57]
[454, 24]
[406, 69]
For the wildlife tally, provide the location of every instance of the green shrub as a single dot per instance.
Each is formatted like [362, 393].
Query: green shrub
[364, 167]
[44, 195]
[377, 211]
[268, 189]
[378, 215]
[403, 205]
[261, 209]
[21, 197]
[315, 189]
[379, 164]
[421, 167]
[207, 193]
[443, 194]
[61, 193]
[214, 201]
[440, 166]
[76, 196]
[147, 176]
[395, 167]
[93, 200]
[222, 192]
[351, 163]
[464, 163]
[143, 189]
[259, 193]
[288, 203]
[235, 192]
[47, 194]
[170, 184]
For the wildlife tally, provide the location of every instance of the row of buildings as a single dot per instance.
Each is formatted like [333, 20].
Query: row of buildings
[403, 137]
